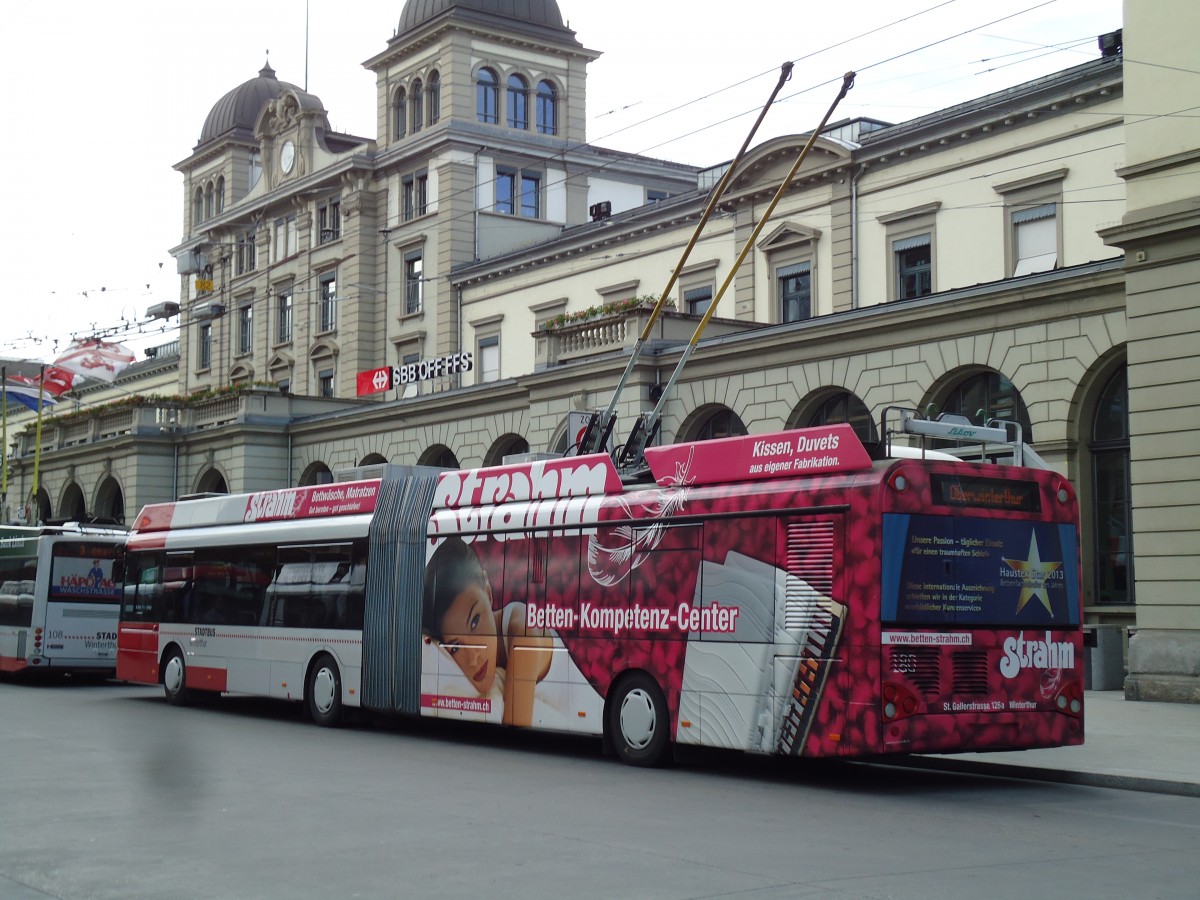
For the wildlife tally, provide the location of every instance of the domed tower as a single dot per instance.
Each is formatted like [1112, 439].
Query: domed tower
[480, 103]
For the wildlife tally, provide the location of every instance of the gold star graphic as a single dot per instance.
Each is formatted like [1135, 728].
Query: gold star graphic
[1033, 574]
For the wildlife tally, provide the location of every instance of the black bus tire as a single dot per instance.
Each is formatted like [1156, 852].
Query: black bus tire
[638, 722]
[323, 693]
[174, 678]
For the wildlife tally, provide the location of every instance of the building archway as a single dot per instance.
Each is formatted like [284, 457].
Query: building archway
[439, 456]
[212, 482]
[109, 507]
[316, 473]
[38, 509]
[505, 445]
[981, 395]
[837, 407]
[71, 506]
[1110, 493]
[712, 422]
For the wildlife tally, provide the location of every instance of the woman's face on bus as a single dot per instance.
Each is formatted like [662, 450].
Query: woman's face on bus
[469, 636]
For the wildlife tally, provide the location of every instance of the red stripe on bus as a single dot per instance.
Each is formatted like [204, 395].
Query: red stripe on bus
[12, 664]
[137, 666]
[203, 678]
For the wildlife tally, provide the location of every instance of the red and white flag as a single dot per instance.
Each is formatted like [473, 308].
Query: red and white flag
[96, 359]
[56, 381]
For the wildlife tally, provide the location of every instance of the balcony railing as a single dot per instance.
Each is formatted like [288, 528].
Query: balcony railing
[559, 342]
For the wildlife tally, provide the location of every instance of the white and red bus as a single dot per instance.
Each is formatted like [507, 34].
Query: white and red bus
[59, 599]
[782, 593]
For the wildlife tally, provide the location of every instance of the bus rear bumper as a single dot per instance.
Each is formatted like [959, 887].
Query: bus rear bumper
[981, 732]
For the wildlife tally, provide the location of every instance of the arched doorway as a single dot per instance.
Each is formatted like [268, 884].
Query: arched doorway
[506, 445]
[440, 456]
[72, 507]
[720, 422]
[316, 473]
[845, 407]
[1112, 509]
[987, 395]
[110, 503]
[212, 482]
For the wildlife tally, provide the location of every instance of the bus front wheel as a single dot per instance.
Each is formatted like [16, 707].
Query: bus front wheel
[324, 694]
[174, 679]
[638, 721]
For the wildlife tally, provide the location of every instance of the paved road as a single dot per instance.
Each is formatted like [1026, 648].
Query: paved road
[111, 793]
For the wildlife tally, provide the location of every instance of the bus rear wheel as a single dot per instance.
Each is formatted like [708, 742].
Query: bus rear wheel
[638, 721]
[324, 692]
[174, 679]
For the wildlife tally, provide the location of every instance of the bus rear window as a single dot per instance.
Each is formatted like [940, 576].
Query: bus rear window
[974, 571]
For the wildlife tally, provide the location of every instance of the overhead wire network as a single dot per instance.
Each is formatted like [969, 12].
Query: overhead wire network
[127, 327]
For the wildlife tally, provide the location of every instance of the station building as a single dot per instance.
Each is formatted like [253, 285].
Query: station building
[1031, 255]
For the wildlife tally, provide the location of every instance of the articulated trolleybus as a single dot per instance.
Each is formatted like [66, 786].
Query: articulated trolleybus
[59, 599]
[784, 593]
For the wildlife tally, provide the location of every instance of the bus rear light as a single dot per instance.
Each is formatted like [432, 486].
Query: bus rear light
[1070, 699]
[898, 702]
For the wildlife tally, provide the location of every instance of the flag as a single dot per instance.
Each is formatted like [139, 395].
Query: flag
[25, 392]
[57, 381]
[96, 359]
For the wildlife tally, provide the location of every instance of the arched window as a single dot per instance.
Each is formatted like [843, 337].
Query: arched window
[547, 108]
[209, 197]
[440, 456]
[505, 445]
[518, 102]
[220, 195]
[316, 473]
[487, 97]
[400, 113]
[1112, 510]
[846, 407]
[212, 482]
[989, 395]
[721, 424]
[417, 104]
[198, 207]
[433, 95]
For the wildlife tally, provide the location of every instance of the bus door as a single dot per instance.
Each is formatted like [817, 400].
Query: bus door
[548, 568]
[82, 603]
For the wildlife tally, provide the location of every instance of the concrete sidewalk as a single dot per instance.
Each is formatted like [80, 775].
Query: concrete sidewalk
[1132, 745]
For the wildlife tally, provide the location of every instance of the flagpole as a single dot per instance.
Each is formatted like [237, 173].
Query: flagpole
[37, 451]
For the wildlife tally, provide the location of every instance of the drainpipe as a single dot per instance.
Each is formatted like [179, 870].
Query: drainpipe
[854, 235]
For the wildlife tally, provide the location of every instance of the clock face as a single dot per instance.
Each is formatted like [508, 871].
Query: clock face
[287, 156]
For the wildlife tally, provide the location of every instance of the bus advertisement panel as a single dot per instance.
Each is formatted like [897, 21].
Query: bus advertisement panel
[784, 595]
